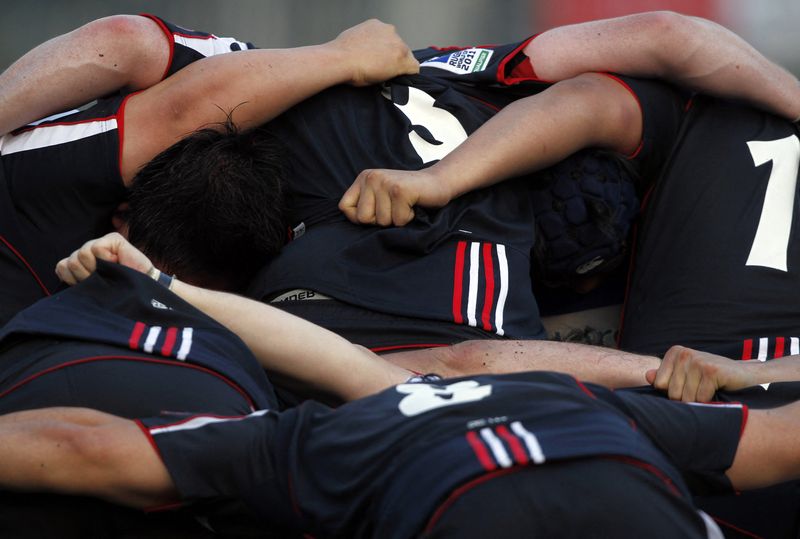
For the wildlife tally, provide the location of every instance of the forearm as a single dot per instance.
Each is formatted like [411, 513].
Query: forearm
[538, 131]
[694, 52]
[296, 348]
[123, 51]
[606, 366]
[785, 369]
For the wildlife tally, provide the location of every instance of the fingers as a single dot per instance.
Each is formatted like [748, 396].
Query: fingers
[111, 247]
[686, 375]
[376, 52]
[378, 197]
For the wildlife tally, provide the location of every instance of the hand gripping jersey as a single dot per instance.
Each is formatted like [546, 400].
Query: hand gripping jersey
[717, 265]
[121, 315]
[467, 263]
[309, 470]
[60, 181]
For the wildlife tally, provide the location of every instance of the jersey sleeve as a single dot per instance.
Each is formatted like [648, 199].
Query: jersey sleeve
[700, 439]
[218, 457]
[187, 46]
[663, 109]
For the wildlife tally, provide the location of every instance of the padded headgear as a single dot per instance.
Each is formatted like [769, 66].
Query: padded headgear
[584, 207]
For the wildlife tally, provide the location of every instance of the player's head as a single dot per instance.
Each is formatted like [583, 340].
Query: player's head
[211, 207]
[584, 208]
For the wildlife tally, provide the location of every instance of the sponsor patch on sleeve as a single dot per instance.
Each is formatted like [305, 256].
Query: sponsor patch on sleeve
[462, 62]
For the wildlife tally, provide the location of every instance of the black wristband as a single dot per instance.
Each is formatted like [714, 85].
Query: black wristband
[165, 280]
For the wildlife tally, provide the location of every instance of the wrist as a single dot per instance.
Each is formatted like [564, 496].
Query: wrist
[161, 278]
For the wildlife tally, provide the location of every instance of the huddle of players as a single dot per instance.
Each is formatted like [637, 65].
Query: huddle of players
[485, 289]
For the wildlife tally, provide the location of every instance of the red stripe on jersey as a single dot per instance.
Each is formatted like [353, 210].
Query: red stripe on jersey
[168, 362]
[511, 78]
[121, 136]
[481, 452]
[169, 342]
[27, 265]
[488, 298]
[585, 389]
[460, 491]
[649, 468]
[379, 349]
[745, 417]
[458, 282]
[779, 345]
[520, 456]
[638, 102]
[169, 38]
[45, 125]
[747, 349]
[136, 335]
[737, 529]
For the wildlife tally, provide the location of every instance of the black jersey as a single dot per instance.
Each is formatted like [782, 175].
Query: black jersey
[121, 315]
[717, 265]
[60, 181]
[309, 470]
[467, 263]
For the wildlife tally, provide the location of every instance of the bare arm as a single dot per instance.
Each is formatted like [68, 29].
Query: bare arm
[122, 51]
[691, 375]
[769, 448]
[528, 135]
[540, 130]
[80, 451]
[256, 85]
[612, 368]
[281, 342]
[690, 51]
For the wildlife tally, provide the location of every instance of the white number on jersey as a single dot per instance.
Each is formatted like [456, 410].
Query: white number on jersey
[423, 398]
[444, 127]
[771, 242]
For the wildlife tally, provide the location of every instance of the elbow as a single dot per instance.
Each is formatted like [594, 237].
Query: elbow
[672, 40]
[130, 48]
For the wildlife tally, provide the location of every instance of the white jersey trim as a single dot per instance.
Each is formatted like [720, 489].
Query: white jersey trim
[200, 422]
[52, 135]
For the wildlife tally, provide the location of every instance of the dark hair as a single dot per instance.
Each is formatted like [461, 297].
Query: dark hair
[210, 208]
[584, 208]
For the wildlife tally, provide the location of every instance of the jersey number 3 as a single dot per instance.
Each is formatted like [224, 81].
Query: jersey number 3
[771, 243]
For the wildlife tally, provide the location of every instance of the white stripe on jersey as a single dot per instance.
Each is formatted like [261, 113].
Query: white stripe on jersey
[209, 46]
[496, 446]
[794, 346]
[54, 117]
[474, 273]
[152, 337]
[531, 442]
[502, 263]
[201, 421]
[186, 344]
[715, 404]
[763, 348]
[51, 135]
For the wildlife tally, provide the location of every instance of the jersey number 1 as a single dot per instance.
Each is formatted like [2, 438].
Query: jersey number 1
[771, 243]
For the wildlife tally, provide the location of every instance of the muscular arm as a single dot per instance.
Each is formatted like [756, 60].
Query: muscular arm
[530, 134]
[80, 451]
[122, 51]
[580, 111]
[612, 368]
[254, 86]
[769, 449]
[691, 51]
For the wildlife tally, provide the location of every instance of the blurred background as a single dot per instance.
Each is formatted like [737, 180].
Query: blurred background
[769, 24]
